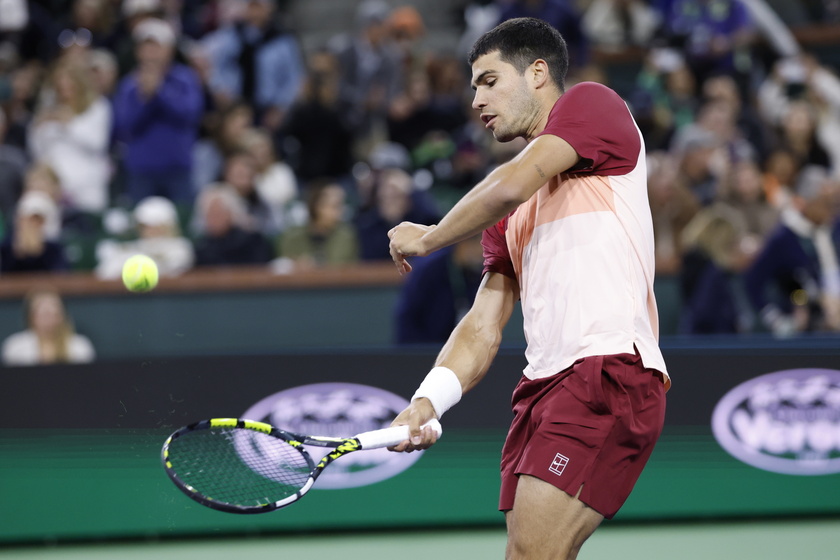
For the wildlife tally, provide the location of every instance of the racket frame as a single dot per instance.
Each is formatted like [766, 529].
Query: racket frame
[339, 446]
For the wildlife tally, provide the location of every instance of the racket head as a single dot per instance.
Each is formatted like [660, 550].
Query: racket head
[238, 466]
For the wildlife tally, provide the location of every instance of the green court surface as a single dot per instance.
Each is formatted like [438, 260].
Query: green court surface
[737, 540]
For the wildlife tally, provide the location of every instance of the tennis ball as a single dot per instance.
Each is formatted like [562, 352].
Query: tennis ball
[140, 274]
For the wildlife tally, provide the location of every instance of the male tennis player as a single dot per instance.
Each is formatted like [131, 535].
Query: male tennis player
[568, 231]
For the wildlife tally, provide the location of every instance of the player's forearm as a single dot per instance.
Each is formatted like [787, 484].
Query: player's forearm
[488, 202]
[469, 351]
[465, 358]
[474, 342]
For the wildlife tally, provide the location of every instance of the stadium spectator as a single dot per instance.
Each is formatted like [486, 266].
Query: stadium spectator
[34, 245]
[716, 37]
[723, 89]
[104, 70]
[158, 109]
[257, 61]
[617, 24]
[49, 337]
[158, 236]
[803, 85]
[433, 100]
[41, 177]
[13, 164]
[227, 132]
[702, 162]
[275, 181]
[370, 74]
[327, 238]
[223, 232]
[794, 282]
[672, 206]
[664, 98]
[317, 141]
[742, 189]
[71, 132]
[394, 199]
[712, 295]
[133, 12]
[23, 84]
[240, 174]
[32, 31]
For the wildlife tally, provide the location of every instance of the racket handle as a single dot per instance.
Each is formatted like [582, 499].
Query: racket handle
[392, 436]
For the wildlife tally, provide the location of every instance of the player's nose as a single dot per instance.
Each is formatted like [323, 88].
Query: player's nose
[478, 102]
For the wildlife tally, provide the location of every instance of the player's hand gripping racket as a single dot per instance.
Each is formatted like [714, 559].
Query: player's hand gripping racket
[243, 466]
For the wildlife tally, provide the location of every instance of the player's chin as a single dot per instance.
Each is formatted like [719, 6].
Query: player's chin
[504, 135]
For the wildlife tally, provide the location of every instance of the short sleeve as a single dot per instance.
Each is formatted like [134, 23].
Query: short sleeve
[496, 252]
[596, 122]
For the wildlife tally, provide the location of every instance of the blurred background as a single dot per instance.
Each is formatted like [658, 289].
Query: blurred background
[260, 150]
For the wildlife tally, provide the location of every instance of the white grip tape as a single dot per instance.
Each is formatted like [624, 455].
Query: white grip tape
[392, 436]
[442, 387]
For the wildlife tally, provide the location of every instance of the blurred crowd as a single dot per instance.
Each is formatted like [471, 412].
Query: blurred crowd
[205, 134]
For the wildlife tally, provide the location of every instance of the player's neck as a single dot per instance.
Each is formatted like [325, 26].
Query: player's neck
[541, 118]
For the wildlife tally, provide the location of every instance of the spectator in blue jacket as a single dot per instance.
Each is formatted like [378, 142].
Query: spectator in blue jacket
[157, 112]
[257, 61]
[794, 282]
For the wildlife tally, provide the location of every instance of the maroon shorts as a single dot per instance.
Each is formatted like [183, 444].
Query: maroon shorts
[593, 425]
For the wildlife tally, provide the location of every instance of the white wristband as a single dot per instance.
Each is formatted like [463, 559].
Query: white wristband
[442, 387]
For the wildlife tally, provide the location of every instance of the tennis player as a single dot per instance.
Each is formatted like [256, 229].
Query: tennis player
[567, 230]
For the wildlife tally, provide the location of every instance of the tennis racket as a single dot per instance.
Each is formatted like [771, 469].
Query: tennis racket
[243, 466]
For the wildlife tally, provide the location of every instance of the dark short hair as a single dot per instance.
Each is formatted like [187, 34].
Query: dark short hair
[521, 41]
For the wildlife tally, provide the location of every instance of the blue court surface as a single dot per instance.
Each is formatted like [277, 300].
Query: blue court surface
[737, 540]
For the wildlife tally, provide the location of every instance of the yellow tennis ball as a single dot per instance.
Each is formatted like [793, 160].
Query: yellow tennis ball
[140, 274]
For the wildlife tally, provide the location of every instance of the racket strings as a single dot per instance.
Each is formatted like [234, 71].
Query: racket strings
[239, 466]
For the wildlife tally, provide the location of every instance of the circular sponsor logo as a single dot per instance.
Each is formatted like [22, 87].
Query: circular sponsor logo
[786, 422]
[339, 410]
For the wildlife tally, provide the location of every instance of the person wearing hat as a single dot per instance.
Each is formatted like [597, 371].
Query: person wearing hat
[158, 110]
[158, 236]
[30, 247]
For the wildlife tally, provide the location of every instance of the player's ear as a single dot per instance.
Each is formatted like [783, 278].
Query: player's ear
[538, 73]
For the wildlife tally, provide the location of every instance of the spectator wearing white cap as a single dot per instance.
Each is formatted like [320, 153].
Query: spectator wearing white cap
[158, 110]
[30, 247]
[158, 236]
[132, 12]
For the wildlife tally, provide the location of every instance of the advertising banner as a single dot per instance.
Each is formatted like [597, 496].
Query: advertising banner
[750, 431]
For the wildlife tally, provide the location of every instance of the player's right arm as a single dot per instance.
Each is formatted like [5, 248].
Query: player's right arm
[468, 352]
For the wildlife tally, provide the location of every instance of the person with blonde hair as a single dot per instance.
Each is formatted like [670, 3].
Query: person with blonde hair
[71, 132]
[49, 337]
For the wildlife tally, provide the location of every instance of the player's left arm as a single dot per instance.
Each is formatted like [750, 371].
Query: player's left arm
[505, 188]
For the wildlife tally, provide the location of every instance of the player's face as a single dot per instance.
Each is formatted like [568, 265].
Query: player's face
[507, 104]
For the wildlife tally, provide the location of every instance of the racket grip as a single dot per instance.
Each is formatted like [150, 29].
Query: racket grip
[392, 436]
